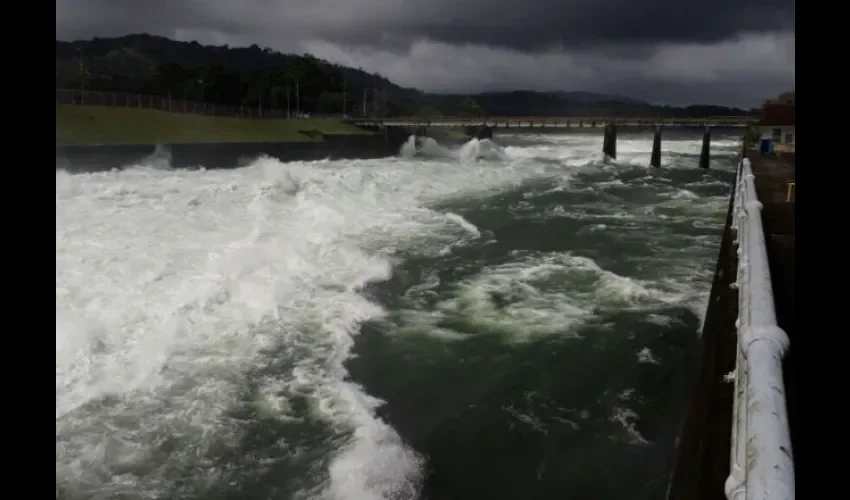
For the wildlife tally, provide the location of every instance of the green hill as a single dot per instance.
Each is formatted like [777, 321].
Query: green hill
[108, 125]
[247, 76]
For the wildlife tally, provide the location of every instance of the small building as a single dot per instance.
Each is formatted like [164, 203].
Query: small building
[777, 122]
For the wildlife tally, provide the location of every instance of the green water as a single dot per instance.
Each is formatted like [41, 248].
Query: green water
[566, 407]
[502, 322]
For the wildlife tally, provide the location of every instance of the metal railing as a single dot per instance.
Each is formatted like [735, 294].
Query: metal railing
[762, 467]
[738, 121]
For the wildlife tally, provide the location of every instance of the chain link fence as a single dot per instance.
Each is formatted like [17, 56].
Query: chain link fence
[131, 100]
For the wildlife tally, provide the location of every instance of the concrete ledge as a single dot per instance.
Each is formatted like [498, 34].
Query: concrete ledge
[93, 158]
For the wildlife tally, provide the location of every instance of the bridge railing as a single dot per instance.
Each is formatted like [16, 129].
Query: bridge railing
[422, 120]
[761, 457]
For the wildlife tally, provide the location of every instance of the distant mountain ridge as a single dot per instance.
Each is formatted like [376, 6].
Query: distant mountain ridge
[243, 75]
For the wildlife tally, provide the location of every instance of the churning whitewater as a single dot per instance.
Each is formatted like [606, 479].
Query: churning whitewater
[505, 319]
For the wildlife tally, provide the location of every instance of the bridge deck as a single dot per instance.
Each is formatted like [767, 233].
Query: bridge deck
[703, 454]
[578, 122]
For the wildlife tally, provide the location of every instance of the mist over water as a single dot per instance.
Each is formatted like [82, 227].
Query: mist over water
[506, 319]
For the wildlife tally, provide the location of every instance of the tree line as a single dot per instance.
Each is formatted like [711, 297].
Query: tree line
[304, 88]
[261, 77]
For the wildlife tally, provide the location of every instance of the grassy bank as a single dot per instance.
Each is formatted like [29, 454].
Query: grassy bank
[108, 125]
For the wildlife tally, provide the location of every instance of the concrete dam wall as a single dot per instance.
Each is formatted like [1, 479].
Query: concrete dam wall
[93, 158]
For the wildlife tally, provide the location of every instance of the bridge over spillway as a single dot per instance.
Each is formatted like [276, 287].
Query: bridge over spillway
[400, 130]
[557, 122]
[484, 128]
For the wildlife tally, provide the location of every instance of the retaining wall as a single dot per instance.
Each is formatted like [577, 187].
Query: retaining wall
[92, 158]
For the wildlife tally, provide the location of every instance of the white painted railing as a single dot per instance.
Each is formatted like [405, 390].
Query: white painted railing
[762, 467]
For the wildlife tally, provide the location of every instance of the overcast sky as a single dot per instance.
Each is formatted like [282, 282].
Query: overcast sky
[732, 52]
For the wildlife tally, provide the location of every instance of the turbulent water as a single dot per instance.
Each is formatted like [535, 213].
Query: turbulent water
[506, 320]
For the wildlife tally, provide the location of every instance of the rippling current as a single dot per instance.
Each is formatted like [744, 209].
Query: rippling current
[505, 320]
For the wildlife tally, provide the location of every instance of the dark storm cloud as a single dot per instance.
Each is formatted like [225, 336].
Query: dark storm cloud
[540, 24]
[694, 51]
[520, 24]
[742, 71]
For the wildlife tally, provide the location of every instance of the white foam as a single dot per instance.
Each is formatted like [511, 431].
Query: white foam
[645, 356]
[530, 296]
[583, 150]
[470, 151]
[627, 418]
[173, 287]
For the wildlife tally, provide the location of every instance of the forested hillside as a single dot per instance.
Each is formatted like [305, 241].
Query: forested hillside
[252, 75]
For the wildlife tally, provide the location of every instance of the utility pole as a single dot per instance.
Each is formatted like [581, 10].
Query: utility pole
[297, 100]
[364, 102]
[203, 88]
[287, 102]
[82, 73]
[344, 84]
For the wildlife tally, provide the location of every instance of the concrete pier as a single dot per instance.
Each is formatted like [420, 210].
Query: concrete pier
[479, 132]
[655, 158]
[609, 141]
[705, 153]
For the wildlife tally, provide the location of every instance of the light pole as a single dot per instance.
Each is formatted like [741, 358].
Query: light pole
[82, 74]
[203, 87]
